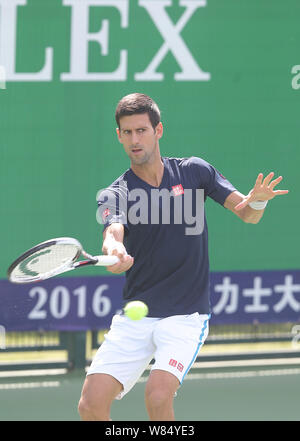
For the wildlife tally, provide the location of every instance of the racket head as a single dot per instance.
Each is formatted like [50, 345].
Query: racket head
[45, 260]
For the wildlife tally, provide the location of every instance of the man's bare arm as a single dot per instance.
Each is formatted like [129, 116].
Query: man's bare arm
[247, 214]
[263, 190]
[113, 237]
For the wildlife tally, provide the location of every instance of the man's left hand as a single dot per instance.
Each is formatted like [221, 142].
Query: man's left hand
[263, 190]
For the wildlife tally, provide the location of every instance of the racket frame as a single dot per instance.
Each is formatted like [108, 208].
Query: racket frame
[71, 265]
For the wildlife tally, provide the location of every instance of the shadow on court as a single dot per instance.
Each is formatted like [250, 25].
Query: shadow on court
[273, 396]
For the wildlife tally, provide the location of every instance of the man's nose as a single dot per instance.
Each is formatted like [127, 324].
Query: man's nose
[134, 138]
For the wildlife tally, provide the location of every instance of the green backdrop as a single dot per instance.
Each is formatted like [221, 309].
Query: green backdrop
[58, 145]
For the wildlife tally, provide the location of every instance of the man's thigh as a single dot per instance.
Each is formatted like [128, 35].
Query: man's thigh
[98, 393]
[163, 381]
[100, 388]
[126, 351]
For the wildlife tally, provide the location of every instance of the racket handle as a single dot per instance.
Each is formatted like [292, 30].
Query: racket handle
[106, 260]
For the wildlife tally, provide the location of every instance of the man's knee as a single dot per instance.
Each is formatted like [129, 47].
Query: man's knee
[93, 411]
[157, 397]
[83, 409]
[99, 391]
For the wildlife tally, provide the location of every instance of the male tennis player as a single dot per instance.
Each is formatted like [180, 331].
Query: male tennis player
[166, 263]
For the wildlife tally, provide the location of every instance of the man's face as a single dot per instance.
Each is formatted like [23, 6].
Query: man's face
[138, 137]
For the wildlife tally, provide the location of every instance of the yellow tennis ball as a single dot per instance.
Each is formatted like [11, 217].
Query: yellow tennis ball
[136, 310]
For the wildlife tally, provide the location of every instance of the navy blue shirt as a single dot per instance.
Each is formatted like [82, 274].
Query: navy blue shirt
[167, 236]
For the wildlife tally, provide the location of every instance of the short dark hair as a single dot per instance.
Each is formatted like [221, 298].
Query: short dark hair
[138, 103]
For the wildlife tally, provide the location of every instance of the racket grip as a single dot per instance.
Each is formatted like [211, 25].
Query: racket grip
[106, 260]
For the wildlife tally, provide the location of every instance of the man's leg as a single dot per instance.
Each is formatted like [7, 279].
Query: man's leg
[98, 393]
[159, 395]
[178, 340]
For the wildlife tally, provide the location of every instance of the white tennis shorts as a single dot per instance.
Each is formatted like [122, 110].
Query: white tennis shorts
[129, 346]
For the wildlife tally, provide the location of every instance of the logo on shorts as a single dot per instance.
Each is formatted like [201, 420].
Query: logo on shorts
[174, 363]
[180, 367]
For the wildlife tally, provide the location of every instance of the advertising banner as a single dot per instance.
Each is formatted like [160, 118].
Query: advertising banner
[84, 303]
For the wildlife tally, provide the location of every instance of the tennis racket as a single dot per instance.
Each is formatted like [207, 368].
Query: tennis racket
[53, 257]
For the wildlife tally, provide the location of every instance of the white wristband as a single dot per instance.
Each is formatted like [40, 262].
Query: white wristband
[258, 205]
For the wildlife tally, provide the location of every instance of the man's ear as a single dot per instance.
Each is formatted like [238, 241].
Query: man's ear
[118, 134]
[159, 130]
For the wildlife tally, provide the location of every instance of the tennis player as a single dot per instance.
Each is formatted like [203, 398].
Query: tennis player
[166, 263]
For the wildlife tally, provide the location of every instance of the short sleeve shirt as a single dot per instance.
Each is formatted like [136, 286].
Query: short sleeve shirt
[166, 233]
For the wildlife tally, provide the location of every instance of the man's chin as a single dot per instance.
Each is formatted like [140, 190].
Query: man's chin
[139, 161]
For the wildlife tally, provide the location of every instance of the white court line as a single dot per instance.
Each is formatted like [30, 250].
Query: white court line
[32, 385]
[243, 374]
[32, 373]
[237, 374]
[255, 362]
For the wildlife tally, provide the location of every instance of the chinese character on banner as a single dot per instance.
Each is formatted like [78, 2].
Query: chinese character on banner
[288, 290]
[228, 301]
[257, 293]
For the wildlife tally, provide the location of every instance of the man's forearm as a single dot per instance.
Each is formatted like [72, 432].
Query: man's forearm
[112, 236]
[247, 214]
[251, 216]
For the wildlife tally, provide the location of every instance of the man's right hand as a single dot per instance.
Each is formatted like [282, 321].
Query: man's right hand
[113, 246]
[125, 260]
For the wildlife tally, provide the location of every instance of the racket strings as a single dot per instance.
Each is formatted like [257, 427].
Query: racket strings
[42, 262]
